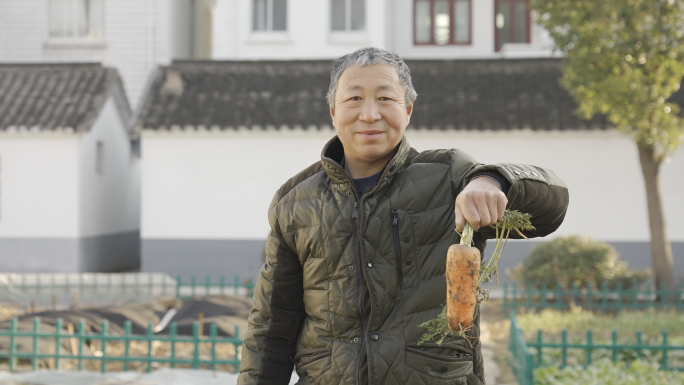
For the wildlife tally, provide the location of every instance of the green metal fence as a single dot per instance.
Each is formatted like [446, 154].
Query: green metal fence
[203, 349]
[604, 299]
[190, 289]
[523, 361]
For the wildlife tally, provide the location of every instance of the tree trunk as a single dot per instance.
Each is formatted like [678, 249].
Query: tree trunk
[661, 250]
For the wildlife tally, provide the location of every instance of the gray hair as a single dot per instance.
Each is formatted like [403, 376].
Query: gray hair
[368, 56]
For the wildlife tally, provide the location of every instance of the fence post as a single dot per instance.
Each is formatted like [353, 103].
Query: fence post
[614, 340]
[604, 295]
[619, 300]
[81, 341]
[214, 333]
[105, 326]
[638, 343]
[195, 340]
[663, 363]
[172, 336]
[127, 335]
[36, 330]
[150, 335]
[12, 347]
[539, 348]
[58, 343]
[559, 296]
[590, 339]
[564, 354]
[236, 336]
[635, 295]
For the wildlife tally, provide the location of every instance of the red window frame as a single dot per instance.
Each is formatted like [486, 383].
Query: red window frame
[511, 31]
[452, 24]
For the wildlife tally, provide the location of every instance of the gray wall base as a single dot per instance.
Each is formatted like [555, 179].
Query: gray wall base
[243, 258]
[106, 253]
[202, 258]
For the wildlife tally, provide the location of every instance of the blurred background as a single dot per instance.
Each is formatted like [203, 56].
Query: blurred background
[151, 135]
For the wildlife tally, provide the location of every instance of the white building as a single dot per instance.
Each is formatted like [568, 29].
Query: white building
[415, 29]
[69, 172]
[133, 36]
[219, 138]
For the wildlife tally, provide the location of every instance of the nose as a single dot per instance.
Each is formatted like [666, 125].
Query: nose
[370, 112]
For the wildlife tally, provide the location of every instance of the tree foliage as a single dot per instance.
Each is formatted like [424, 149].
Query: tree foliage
[625, 58]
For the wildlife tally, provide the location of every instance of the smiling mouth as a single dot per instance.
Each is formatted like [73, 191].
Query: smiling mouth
[370, 133]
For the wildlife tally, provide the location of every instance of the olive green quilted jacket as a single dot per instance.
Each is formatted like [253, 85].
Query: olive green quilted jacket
[308, 298]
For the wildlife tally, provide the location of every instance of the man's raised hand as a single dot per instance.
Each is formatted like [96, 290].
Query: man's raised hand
[481, 203]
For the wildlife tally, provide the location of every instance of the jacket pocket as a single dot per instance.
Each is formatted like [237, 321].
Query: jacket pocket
[311, 364]
[447, 362]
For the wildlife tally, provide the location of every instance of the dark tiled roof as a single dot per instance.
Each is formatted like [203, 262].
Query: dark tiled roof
[57, 96]
[498, 94]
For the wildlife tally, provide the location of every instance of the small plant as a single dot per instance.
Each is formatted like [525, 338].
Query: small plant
[576, 260]
[465, 276]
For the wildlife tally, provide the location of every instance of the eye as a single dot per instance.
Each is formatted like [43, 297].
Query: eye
[355, 98]
[385, 98]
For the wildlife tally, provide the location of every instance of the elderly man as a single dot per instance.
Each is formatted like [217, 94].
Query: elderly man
[357, 250]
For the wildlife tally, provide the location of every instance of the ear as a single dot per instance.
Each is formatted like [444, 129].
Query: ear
[409, 110]
[332, 110]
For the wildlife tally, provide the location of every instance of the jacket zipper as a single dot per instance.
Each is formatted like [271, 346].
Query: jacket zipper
[397, 245]
[359, 300]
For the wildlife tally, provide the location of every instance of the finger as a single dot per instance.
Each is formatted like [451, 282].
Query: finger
[501, 204]
[460, 220]
[472, 212]
[493, 206]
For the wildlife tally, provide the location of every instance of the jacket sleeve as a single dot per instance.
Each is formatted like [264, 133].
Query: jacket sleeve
[277, 314]
[533, 190]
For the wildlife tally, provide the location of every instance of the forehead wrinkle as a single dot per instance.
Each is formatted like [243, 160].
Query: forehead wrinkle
[382, 87]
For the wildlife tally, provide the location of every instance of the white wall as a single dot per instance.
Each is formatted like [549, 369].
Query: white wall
[199, 186]
[39, 186]
[136, 38]
[601, 169]
[109, 201]
[308, 33]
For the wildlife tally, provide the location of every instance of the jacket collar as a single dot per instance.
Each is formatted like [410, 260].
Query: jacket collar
[333, 152]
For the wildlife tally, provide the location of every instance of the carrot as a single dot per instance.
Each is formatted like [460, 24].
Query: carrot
[462, 271]
[465, 276]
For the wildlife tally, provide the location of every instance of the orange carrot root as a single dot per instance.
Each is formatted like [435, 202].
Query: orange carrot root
[462, 272]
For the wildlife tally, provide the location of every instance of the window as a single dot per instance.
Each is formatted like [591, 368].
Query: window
[99, 158]
[76, 18]
[441, 22]
[348, 15]
[269, 15]
[512, 22]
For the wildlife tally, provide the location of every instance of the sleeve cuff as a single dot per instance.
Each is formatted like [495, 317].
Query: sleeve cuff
[495, 175]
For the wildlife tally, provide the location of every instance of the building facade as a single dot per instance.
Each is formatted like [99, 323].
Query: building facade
[219, 138]
[69, 171]
[133, 36]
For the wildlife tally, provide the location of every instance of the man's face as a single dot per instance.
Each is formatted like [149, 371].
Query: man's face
[370, 113]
